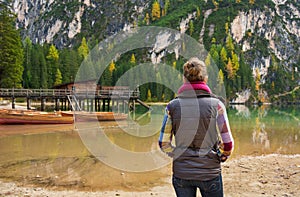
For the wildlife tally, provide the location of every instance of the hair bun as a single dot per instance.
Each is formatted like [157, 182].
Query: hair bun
[194, 70]
[190, 65]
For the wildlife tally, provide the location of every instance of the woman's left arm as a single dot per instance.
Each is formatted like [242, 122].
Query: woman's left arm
[224, 128]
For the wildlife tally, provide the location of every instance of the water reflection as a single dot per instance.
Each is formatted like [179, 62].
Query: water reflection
[55, 155]
[265, 129]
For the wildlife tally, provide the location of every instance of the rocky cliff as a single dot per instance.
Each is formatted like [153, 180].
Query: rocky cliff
[60, 22]
[277, 27]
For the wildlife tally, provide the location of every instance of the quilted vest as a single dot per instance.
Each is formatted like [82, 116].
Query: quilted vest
[193, 116]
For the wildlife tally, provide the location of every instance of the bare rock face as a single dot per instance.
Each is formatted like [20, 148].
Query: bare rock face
[278, 27]
[59, 22]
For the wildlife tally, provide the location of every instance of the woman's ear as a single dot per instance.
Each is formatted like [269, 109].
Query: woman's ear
[206, 79]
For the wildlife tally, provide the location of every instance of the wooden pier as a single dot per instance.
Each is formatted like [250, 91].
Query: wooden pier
[99, 100]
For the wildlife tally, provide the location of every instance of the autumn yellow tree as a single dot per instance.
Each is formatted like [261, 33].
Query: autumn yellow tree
[53, 53]
[174, 64]
[220, 83]
[58, 77]
[252, 2]
[257, 79]
[132, 59]
[229, 69]
[112, 67]
[147, 19]
[226, 28]
[149, 96]
[220, 77]
[223, 55]
[208, 60]
[216, 4]
[198, 12]
[235, 63]
[155, 10]
[83, 50]
[52, 57]
[229, 44]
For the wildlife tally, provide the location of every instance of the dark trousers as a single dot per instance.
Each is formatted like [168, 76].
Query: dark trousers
[188, 188]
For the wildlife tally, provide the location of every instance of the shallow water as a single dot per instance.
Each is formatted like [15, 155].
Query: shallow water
[56, 155]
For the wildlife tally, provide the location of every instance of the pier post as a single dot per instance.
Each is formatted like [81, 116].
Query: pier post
[57, 104]
[108, 104]
[92, 104]
[43, 103]
[28, 103]
[103, 105]
[96, 104]
[13, 103]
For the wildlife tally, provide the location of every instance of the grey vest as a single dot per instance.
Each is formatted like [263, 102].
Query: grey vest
[193, 115]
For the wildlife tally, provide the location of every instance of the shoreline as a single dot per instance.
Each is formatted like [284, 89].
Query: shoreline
[265, 175]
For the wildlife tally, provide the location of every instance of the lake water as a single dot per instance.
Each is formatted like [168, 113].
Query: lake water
[55, 155]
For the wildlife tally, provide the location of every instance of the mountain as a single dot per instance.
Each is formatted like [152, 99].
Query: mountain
[267, 33]
[62, 22]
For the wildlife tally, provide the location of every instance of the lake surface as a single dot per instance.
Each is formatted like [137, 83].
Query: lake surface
[56, 155]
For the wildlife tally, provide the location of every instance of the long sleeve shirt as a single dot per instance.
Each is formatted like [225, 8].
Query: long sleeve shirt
[166, 134]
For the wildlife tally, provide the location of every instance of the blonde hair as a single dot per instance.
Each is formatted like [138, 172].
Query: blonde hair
[195, 70]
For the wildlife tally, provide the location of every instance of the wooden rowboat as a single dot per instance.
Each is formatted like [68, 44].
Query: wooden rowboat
[32, 117]
[83, 116]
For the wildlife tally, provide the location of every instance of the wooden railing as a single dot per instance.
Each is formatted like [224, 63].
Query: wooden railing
[64, 92]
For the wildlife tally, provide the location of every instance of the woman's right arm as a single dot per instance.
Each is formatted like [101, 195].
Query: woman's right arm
[165, 137]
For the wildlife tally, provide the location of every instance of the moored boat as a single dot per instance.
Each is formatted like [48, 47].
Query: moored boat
[32, 117]
[83, 116]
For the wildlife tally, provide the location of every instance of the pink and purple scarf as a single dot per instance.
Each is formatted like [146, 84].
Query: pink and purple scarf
[198, 85]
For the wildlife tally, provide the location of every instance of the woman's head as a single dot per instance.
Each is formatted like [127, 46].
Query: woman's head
[195, 70]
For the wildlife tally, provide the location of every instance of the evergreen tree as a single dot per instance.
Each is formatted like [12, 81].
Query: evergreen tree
[167, 5]
[44, 83]
[191, 27]
[58, 77]
[74, 62]
[39, 68]
[229, 44]
[35, 69]
[235, 63]
[11, 56]
[246, 75]
[27, 75]
[198, 12]
[223, 55]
